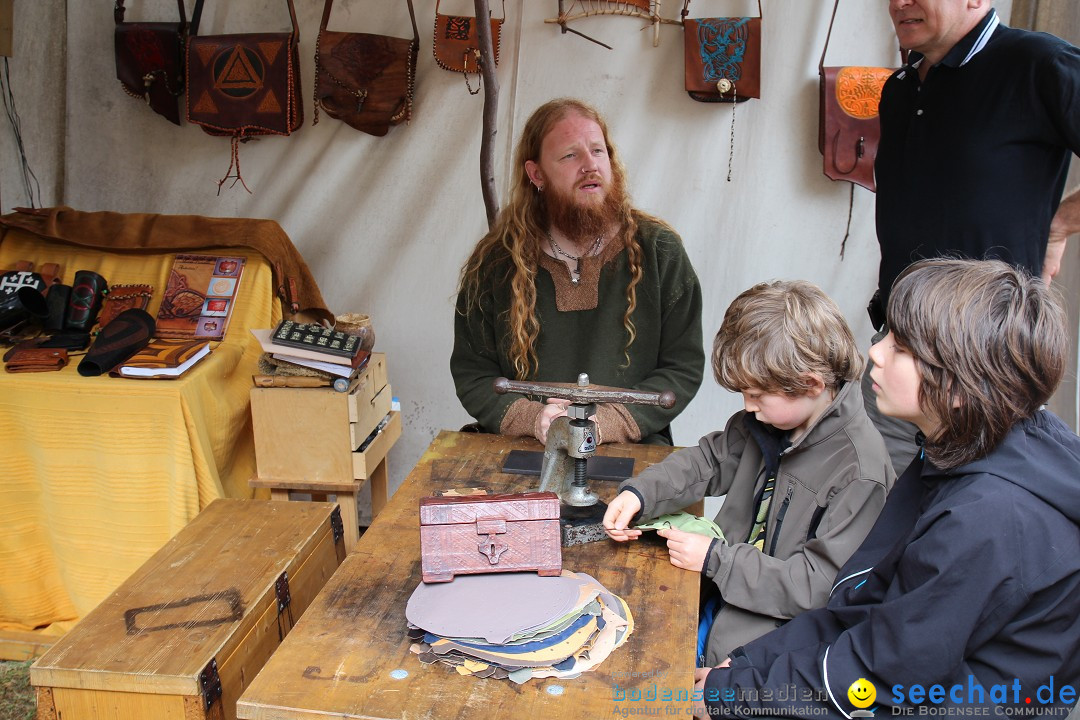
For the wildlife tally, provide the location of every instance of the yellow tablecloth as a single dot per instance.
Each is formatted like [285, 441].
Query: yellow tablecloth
[97, 473]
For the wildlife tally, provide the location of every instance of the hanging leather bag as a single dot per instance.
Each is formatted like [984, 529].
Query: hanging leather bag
[849, 129]
[150, 60]
[246, 84]
[456, 45]
[365, 80]
[722, 57]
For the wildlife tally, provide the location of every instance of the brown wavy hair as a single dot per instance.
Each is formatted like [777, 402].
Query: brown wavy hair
[510, 251]
[989, 343]
[776, 334]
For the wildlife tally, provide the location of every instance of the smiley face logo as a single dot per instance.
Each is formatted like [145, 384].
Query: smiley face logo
[862, 693]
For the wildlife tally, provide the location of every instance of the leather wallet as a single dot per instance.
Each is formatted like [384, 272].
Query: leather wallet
[28, 358]
[66, 340]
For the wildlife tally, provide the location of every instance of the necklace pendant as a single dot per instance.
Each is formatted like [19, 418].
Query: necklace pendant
[578, 270]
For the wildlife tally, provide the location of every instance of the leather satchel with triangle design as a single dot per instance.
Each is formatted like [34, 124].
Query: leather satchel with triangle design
[244, 85]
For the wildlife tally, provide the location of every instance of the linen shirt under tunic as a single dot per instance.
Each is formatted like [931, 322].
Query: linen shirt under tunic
[973, 160]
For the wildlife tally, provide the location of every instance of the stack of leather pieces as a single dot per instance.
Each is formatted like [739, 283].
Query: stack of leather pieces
[545, 627]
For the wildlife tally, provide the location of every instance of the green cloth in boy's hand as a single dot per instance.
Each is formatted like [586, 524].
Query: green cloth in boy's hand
[684, 521]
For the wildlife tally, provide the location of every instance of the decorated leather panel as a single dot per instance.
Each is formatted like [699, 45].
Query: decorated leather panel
[457, 47]
[722, 58]
[244, 84]
[858, 90]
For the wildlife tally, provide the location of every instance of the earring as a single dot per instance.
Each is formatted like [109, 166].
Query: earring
[539, 188]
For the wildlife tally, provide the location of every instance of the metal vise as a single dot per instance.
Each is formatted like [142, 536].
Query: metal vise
[571, 440]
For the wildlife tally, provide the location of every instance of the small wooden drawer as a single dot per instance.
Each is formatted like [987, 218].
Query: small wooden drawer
[369, 415]
[189, 630]
[371, 383]
[365, 462]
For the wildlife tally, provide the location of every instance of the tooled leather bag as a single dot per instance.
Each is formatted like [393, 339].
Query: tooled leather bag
[722, 57]
[244, 85]
[150, 60]
[457, 47]
[365, 80]
[848, 126]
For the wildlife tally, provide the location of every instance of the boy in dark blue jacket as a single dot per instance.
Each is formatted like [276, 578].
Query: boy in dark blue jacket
[966, 593]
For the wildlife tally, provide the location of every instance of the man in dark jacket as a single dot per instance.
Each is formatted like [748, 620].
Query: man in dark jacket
[963, 598]
[977, 132]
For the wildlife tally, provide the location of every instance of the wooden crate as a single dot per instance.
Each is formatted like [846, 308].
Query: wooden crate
[311, 434]
[182, 637]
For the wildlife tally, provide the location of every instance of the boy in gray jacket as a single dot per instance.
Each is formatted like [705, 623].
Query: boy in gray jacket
[803, 470]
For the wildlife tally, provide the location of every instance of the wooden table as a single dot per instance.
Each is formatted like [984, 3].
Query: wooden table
[348, 656]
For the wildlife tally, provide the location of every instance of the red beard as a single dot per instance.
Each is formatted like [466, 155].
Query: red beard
[583, 222]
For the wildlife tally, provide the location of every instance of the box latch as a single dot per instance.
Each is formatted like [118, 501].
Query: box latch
[281, 589]
[489, 545]
[337, 526]
[284, 600]
[210, 684]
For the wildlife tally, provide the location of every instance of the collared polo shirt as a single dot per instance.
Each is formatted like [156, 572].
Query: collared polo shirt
[973, 160]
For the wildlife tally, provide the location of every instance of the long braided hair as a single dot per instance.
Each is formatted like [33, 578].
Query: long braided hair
[512, 247]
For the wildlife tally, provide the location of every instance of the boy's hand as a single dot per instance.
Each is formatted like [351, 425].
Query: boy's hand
[619, 513]
[700, 674]
[700, 710]
[687, 550]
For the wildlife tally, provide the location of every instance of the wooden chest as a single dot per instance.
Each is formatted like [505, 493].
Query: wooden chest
[183, 636]
[489, 533]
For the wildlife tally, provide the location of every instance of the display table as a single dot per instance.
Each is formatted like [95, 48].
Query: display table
[349, 657]
[99, 472]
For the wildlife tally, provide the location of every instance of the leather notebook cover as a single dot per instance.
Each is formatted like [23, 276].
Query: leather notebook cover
[163, 358]
[600, 467]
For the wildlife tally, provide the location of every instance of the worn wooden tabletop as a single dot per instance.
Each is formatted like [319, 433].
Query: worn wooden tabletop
[348, 656]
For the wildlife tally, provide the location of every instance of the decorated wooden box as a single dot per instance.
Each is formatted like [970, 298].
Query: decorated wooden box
[489, 533]
[183, 636]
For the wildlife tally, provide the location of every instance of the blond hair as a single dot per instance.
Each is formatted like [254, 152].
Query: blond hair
[989, 343]
[775, 335]
[510, 251]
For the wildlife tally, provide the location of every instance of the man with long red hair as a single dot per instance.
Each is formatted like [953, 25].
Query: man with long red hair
[573, 279]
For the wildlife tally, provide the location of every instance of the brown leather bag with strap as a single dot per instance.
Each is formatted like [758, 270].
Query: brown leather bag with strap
[150, 60]
[457, 47]
[365, 80]
[722, 57]
[244, 85]
[848, 127]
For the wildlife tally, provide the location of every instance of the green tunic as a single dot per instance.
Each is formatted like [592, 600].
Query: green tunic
[666, 354]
